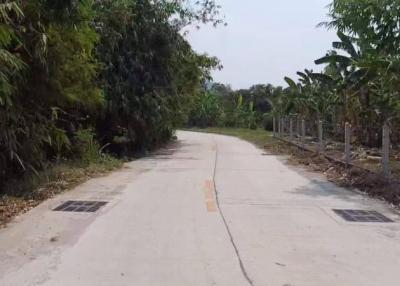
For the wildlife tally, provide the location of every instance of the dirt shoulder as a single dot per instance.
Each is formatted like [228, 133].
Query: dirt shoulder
[26, 193]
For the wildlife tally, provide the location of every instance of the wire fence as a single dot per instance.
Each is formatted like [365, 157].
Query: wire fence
[344, 143]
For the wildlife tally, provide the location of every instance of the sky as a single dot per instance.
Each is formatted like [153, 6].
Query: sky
[265, 40]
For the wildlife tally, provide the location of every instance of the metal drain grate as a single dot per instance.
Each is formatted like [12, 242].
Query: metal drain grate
[80, 206]
[362, 216]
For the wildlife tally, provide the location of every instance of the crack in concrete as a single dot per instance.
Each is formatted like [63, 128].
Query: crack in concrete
[241, 264]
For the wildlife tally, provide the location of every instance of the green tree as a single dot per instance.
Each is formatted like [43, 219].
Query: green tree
[147, 89]
[206, 111]
[120, 67]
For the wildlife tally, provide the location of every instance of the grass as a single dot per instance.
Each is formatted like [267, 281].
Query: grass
[21, 195]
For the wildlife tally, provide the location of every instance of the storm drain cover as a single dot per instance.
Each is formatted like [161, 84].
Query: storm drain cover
[80, 206]
[362, 216]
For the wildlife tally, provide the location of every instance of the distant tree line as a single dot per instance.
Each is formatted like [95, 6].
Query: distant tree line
[218, 105]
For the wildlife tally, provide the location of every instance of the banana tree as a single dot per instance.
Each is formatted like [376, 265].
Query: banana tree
[312, 96]
[345, 66]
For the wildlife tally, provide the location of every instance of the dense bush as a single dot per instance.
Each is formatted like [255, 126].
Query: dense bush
[118, 67]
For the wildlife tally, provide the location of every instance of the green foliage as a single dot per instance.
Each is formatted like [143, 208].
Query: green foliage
[147, 93]
[220, 106]
[47, 83]
[86, 147]
[206, 110]
[360, 83]
[77, 72]
[73, 67]
[10, 64]
[372, 24]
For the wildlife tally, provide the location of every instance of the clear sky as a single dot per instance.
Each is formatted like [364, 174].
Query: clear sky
[265, 40]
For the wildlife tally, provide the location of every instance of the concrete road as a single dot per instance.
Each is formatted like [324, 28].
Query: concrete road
[269, 224]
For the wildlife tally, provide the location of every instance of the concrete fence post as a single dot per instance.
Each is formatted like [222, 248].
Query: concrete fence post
[291, 128]
[347, 142]
[320, 136]
[303, 132]
[280, 127]
[273, 127]
[283, 127]
[298, 127]
[386, 150]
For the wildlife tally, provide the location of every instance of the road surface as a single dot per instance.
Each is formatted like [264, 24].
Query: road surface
[209, 210]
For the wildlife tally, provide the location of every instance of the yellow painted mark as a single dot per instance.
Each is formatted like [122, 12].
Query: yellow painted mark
[209, 184]
[211, 207]
[210, 196]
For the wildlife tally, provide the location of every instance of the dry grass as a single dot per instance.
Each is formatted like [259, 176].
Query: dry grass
[26, 193]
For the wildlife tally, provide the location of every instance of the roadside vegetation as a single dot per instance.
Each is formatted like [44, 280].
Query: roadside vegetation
[84, 82]
[359, 85]
[360, 80]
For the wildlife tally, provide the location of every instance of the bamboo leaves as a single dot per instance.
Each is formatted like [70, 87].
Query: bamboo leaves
[121, 69]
